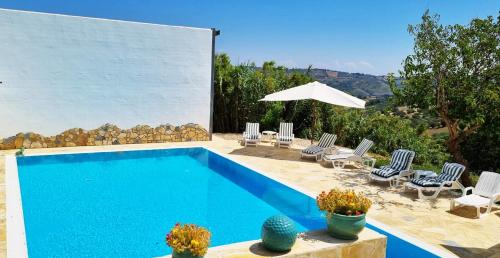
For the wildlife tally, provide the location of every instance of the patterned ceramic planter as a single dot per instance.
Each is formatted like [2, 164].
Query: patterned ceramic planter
[184, 255]
[278, 233]
[345, 227]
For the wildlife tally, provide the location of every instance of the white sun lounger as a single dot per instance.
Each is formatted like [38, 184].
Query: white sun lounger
[485, 194]
[399, 168]
[251, 135]
[447, 180]
[326, 142]
[340, 158]
[285, 135]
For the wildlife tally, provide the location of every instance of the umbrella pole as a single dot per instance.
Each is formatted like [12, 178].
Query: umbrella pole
[313, 120]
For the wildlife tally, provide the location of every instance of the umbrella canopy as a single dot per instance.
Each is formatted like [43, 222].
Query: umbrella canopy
[317, 91]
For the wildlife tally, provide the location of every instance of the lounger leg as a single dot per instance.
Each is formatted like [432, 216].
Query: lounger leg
[435, 195]
[488, 210]
[452, 205]
[478, 209]
[338, 164]
[428, 197]
[420, 194]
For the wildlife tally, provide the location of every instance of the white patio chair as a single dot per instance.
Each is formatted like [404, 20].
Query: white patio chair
[447, 180]
[326, 142]
[285, 135]
[398, 168]
[251, 135]
[485, 194]
[340, 157]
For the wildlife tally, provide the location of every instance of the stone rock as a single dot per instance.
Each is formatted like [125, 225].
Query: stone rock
[35, 145]
[106, 135]
[27, 143]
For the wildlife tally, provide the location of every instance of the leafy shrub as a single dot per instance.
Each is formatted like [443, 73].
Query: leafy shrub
[482, 149]
[343, 202]
[388, 133]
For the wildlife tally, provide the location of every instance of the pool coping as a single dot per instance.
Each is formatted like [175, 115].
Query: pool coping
[16, 235]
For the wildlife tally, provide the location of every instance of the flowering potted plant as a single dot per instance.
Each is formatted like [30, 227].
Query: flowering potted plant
[346, 212]
[188, 241]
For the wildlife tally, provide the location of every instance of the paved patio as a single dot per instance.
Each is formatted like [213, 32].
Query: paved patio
[456, 232]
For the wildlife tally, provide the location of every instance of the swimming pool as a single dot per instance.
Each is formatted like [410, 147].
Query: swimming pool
[124, 203]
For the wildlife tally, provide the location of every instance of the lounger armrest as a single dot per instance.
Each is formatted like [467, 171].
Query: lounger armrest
[446, 182]
[332, 150]
[464, 192]
[407, 172]
[355, 158]
[278, 136]
[244, 135]
[328, 150]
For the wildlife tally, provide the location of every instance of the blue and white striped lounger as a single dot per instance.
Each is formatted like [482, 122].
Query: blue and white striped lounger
[285, 135]
[251, 135]
[340, 158]
[399, 167]
[325, 142]
[447, 180]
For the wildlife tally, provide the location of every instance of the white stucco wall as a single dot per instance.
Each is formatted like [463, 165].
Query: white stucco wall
[59, 72]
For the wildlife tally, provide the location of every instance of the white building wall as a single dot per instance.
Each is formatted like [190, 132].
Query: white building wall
[59, 72]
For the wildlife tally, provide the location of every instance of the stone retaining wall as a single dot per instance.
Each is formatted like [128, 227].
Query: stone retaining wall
[107, 134]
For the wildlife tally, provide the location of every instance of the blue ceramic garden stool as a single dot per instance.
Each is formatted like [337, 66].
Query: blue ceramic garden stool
[278, 233]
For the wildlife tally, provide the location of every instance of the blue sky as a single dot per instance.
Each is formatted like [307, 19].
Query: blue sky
[354, 36]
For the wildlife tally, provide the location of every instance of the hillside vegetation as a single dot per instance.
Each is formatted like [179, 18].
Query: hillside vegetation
[356, 84]
[450, 81]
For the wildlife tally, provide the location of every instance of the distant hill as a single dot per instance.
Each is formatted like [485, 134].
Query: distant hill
[356, 84]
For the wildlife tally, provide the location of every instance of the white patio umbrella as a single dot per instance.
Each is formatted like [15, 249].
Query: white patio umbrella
[316, 91]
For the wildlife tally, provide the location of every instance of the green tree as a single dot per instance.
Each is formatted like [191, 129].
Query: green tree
[454, 72]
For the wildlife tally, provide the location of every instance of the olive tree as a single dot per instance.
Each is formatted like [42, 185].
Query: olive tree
[454, 71]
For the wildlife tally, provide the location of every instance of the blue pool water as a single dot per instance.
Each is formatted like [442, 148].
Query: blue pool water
[124, 203]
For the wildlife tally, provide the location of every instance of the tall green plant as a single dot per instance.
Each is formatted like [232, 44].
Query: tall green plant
[455, 72]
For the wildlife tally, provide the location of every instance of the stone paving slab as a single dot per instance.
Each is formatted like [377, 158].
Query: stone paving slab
[457, 232]
[313, 244]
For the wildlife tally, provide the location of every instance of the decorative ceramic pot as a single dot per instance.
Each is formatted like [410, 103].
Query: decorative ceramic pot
[185, 254]
[345, 227]
[278, 233]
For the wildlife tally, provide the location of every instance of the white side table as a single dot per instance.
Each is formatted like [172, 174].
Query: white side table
[268, 136]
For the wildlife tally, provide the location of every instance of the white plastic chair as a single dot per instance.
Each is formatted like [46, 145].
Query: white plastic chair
[485, 194]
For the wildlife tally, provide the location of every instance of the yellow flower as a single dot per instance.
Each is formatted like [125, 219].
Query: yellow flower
[189, 237]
